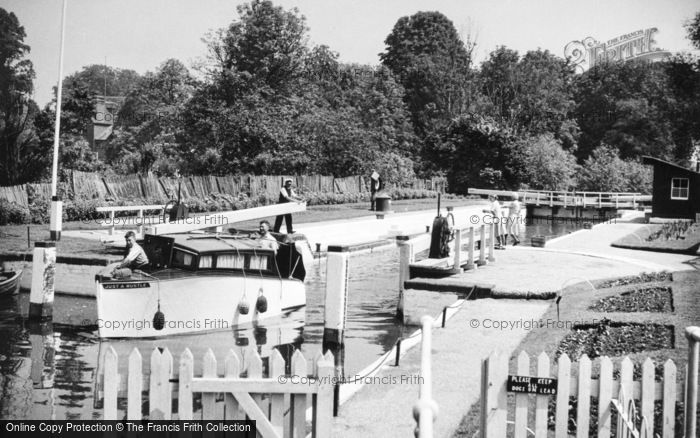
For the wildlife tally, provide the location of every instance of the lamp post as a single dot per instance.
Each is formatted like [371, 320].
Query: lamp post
[56, 203]
[44, 256]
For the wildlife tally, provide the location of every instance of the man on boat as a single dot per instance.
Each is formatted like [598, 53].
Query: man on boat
[286, 195]
[267, 240]
[136, 257]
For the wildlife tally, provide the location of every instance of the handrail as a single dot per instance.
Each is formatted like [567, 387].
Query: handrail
[129, 207]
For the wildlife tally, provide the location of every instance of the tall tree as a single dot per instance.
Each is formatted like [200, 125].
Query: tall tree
[149, 128]
[17, 110]
[693, 29]
[264, 49]
[426, 54]
[532, 94]
[628, 106]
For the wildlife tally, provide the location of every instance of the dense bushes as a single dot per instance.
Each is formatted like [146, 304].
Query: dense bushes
[11, 213]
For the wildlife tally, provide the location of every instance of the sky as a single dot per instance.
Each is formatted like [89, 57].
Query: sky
[141, 34]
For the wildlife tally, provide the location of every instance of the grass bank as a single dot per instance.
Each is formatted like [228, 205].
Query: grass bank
[661, 238]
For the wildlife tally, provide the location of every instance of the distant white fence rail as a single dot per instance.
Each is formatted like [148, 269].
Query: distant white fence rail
[139, 209]
[565, 199]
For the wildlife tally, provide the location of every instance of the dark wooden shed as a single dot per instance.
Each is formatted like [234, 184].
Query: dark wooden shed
[676, 190]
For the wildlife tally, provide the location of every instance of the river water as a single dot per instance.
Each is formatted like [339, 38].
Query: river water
[55, 370]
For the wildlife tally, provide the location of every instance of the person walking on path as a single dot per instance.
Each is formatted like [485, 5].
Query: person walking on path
[375, 185]
[286, 195]
[514, 219]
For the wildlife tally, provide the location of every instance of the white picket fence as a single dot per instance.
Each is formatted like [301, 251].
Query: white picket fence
[278, 407]
[494, 400]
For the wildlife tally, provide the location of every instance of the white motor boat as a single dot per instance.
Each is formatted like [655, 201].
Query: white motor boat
[198, 282]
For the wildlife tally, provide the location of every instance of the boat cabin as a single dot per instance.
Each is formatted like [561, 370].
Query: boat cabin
[211, 253]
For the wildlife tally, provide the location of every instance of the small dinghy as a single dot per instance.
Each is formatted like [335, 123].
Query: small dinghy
[9, 282]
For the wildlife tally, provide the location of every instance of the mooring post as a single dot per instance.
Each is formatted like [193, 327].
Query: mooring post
[398, 352]
[457, 268]
[405, 258]
[492, 243]
[43, 273]
[482, 246]
[43, 354]
[470, 262]
[336, 305]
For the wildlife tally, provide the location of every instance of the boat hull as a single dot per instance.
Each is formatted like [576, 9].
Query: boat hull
[126, 309]
[9, 282]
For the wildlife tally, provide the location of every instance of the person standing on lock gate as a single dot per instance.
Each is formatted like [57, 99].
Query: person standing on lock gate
[287, 194]
[375, 185]
[514, 219]
[496, 218]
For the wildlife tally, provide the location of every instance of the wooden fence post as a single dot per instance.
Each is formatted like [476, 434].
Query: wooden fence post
[470, 261]
[111, 384]
[563, 391]
[492, 241]
[521, 399]
[482, 245]
[405, 258]
[457, 266]
[135, 385]
[425, 410]
[323, 410]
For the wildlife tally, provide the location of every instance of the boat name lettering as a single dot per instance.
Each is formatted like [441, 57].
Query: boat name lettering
[126, 285]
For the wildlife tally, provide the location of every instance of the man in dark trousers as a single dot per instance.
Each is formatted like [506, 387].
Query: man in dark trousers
[375, 185]
[286, 195]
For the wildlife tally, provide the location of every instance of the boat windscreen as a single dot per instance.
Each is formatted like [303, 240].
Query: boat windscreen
[289, 262]
[158, 250]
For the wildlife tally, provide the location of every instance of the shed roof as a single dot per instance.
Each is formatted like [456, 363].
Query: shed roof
[653, 160]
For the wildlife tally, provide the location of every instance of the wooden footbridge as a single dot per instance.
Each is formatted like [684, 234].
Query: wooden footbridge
[553, 198]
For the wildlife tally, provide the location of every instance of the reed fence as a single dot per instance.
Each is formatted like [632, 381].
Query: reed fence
[149, 187]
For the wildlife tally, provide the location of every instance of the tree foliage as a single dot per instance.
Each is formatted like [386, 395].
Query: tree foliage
[605, 171]
[693, 29]
[268, 102]
[17, 111]
[541, 163]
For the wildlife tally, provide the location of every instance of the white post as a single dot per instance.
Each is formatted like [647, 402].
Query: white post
[482, 246]
[691, 388]
[492, 241]
[425, 410]
[457, 268]
[405, 259]
[111, 219]
[336, 304]
[470, 262]
[56, 204]
[43, 272]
